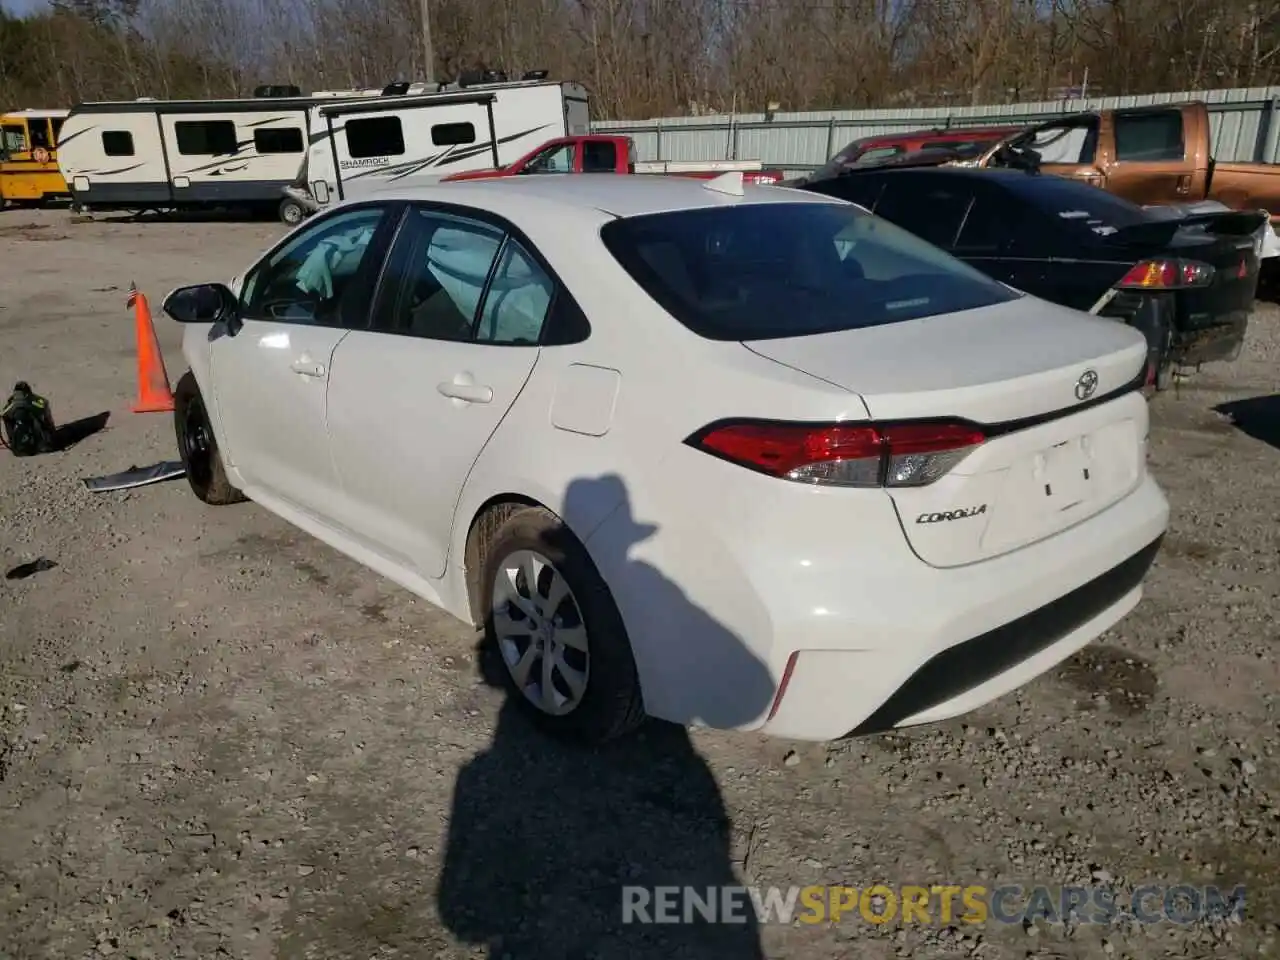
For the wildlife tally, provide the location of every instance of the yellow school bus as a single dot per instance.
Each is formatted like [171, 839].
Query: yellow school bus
[29, 172]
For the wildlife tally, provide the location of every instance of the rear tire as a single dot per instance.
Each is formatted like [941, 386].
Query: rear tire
[543, 600]
[198, 447]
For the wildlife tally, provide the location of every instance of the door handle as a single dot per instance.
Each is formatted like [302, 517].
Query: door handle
[1184, 184]
[466, 392]
[307, 367]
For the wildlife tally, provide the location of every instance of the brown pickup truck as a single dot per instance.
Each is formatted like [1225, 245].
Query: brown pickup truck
[1150, 155]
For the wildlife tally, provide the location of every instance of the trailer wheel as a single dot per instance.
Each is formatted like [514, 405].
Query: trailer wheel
[291, 212]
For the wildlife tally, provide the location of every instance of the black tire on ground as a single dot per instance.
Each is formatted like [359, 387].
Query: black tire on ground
[612, 705]
[291, 212]
[198, 447]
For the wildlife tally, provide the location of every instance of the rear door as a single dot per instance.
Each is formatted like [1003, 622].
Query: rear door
[1004, 239]
[1152, 161]
[413, 402]
[931, 206]
[600, 155]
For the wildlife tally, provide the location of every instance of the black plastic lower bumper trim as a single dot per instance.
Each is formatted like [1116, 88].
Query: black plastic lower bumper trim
[973, 662]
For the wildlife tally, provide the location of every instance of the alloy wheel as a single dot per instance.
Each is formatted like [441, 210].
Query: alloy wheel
[540, 632]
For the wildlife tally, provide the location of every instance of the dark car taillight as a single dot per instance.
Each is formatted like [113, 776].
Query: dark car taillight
[846, 455]
[1167, 275]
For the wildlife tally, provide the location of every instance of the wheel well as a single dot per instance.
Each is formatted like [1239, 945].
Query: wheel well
[491, 515]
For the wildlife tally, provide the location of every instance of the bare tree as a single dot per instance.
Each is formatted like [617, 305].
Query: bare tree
[645, 58]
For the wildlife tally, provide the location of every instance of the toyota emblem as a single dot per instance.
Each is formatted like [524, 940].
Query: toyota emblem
[1086, 385]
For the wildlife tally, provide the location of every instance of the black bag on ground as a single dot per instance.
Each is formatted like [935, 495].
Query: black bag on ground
[27, 422]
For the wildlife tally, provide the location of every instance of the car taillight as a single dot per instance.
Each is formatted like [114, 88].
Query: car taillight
[1166, 275]
[845, 455]
[762, 178]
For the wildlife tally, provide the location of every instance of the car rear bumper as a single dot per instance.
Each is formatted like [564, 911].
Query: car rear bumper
[1014, 618]
[812, 623]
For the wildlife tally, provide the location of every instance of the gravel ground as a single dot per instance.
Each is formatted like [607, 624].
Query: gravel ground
[219, 738]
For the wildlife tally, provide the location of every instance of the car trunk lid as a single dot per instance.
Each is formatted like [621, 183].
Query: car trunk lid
[1052, 390]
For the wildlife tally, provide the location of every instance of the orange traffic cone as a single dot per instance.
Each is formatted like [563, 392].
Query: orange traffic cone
[154, 395]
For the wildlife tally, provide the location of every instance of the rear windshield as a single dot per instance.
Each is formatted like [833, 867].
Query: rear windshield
[1079, 205]
[767, 270]
[853, 154]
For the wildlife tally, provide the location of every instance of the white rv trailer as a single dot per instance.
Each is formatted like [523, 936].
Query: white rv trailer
[360, 145]
[166, 154]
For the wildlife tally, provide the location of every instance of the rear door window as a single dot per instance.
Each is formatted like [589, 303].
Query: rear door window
[876, 153]
[862, 189]
[599, 156]
[517, 299]
[992, 221]
[436, 274]
[768, 270]
[1149, 137]
[931, 208]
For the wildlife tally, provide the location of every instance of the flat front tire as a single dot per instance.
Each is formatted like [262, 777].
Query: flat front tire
[197, 446]
[551, 620]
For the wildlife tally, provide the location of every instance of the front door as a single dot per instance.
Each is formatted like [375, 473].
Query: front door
[272, 375]
[561, 157]
[412, 404]
[1068, 149]
[1152, 163]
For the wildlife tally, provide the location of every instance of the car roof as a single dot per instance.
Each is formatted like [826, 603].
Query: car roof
[1019, 181]
[998, 175]
[956, 133]
[620, 195]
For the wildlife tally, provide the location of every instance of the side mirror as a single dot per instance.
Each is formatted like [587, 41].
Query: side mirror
[203, 303]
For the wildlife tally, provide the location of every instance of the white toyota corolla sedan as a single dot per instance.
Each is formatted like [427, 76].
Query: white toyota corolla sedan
[747, 458]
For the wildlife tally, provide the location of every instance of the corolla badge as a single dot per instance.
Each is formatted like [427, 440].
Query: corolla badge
[1087, 385]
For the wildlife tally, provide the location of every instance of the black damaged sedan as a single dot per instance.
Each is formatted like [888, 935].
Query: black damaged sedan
[1187, 282]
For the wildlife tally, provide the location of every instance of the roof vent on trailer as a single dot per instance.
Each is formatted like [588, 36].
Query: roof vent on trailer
[277, 90]
[396, 89]
[474, 78]
[535, 75]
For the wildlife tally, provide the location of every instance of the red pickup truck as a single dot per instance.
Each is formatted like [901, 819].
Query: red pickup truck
[600, 153]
